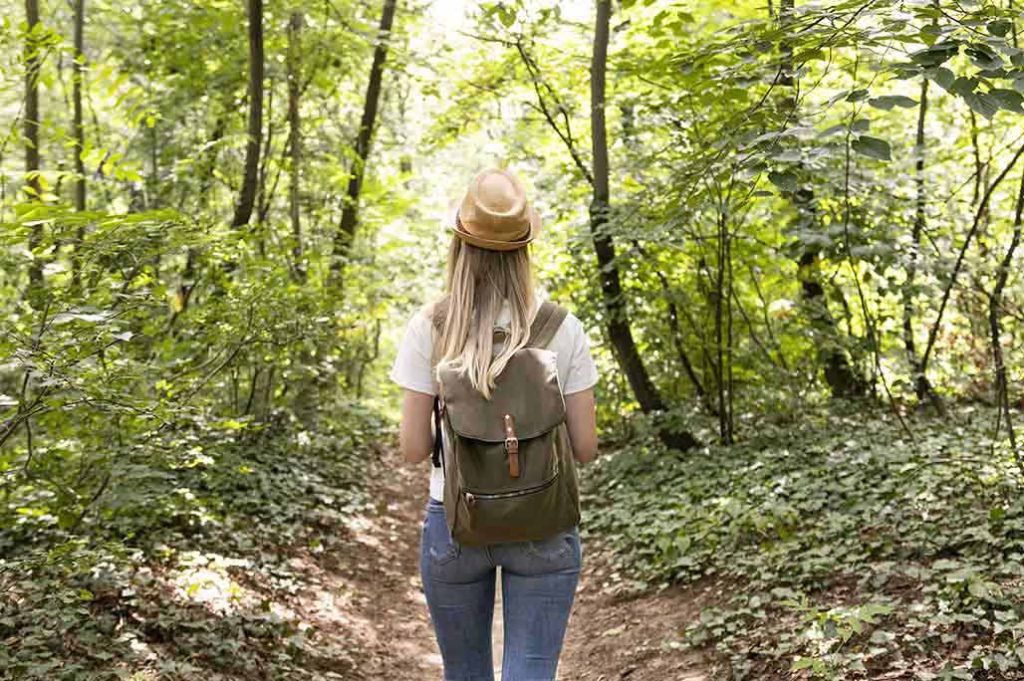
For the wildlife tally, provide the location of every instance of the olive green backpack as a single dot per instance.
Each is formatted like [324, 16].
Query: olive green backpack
[508, 467]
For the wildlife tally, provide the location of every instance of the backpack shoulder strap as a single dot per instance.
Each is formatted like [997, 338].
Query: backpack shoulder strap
[545, 325]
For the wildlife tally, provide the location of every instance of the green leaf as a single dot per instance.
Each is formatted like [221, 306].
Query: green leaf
[937, 54]
[506, 16]
[1008, 99]
[984, 57]
[941, 75]
[887, 102]
[964, 86]
[982, 103]
[872, 147]
[802, 663]
[784, 180]
[999, 27]
[861, 125]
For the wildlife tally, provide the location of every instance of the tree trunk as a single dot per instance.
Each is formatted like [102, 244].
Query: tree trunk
[842, 380]
[922, 387]
[619, 331]
[247, 195]
[79, 137]
[265, 196]
[723, 330]
[295, 141]
[153, 179]
[995, 313]
[33, 63]
[350, 210]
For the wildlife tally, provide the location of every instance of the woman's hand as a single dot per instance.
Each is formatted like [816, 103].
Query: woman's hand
[414, 435]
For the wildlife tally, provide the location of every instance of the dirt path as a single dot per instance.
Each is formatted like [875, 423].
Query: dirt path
[372, 593]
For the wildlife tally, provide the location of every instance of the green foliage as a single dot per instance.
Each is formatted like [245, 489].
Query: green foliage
[168, 437]
[188, 571]
[837, 544]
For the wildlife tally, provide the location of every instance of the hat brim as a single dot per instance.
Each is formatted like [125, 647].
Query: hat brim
[491, 244]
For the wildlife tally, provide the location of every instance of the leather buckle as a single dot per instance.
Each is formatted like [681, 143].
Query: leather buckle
[512, 447]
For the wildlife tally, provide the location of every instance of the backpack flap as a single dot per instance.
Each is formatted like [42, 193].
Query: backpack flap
[504, 443]
[527, 391]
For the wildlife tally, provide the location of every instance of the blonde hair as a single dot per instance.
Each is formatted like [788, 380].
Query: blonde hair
[478, 281]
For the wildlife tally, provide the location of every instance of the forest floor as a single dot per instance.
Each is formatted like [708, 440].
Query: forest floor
[838, 548]
[372, 590]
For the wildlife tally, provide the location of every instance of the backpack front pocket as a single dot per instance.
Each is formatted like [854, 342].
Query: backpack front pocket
[507, 516]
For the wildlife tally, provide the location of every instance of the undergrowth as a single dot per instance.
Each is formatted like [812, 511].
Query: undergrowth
[183, 569]
[839, 547]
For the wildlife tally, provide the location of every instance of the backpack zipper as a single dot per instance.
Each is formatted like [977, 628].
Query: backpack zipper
[471, 497]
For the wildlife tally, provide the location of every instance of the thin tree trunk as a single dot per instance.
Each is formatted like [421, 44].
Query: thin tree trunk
[723, 335]
[153, 181]
[247, 195]
[263, 196]
[842, 380]
[79, 130]
[979, 165]
[295, 141]
[619, 331]
[350, 210]
[33, 64]
[922, 387]
[79, 136]
[995, 313]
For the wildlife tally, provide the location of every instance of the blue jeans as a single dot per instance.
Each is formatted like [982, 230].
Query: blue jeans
[538, 583]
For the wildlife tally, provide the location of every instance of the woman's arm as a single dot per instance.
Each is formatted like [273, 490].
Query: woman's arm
[582, 423]
[414, 435]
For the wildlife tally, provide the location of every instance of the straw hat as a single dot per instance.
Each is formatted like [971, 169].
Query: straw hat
[494, 213]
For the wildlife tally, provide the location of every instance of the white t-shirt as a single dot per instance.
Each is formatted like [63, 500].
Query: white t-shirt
[411, 370]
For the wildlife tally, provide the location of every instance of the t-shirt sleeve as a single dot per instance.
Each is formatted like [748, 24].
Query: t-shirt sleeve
[411, 369]
[582, 372]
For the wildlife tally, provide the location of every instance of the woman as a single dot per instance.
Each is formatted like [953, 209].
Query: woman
[489, 287]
